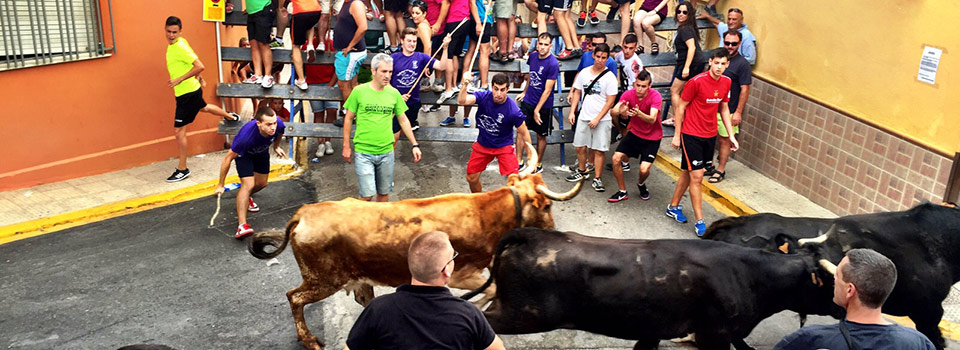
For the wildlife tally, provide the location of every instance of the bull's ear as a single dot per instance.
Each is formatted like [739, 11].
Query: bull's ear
[512, 179]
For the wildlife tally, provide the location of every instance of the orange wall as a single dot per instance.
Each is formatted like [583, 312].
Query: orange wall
[82, 118]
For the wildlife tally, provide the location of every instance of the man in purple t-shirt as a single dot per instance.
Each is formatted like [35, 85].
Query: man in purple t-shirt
[251, 149]
[640, 105]
[536, 102]
[407, 67]
[496, 117]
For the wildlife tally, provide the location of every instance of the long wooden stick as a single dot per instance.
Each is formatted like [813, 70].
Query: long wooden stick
[433, 58]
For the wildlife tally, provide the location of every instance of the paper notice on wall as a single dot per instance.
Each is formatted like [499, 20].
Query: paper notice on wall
[929, 63]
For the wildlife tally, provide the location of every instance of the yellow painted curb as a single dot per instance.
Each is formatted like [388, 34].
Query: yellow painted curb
[59, 222]
[719, 199]
[949, 329]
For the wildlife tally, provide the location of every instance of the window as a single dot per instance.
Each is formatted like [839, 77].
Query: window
[41, 32]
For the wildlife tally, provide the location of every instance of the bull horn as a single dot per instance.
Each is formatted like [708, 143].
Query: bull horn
[829, 266]
[560, 196]
[818, 239]
[531, 160]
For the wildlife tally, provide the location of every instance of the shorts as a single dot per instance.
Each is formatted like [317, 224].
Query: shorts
[504, 8]
[188, 105]
[561, 5]
[319, 106]
[374, 173]
[251, 163]
[348, 66]
[636, 147]
[325, 6]
[260, 25]
[621, 2]
[596, 139]
[545, 6]
[459, 37]
[435, 42]
[722, 130]
[300, 24]
[473, 33]
[395, 5]
[695, 68]
[413, 111]
[481, 156]
[546, 117]
[696, 152]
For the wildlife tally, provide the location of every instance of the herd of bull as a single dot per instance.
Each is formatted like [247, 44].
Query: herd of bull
[720, 288]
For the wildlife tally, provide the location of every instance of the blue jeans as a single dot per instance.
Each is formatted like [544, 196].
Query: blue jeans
[374, 173]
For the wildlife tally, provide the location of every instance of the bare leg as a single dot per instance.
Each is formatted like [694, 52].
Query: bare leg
[682, 183]
[624, 24]
[216, 110]
[267, 56]
[180, 134]
[391, 22]
[383, 197]
[696, 197]
[675, 89]
[324, 26]
[618, 169]
[644, 172]
[647, 24]
[599, 157]
[723, 154]
[567, 29]
[474, 181]
[255, 56]
[502, 45]
[247, 184]
[582, 159]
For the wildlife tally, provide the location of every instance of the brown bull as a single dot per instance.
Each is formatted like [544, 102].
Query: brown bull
[355, 244]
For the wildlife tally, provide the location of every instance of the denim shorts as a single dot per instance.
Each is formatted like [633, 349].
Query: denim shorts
[318, 106]
[374, 173]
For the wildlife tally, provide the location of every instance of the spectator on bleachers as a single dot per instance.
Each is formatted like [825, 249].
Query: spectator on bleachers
[184, 68]
[497, 116]
[651, 13]
[306, 14]
[326, 8]
[393, 15]
[481, 18]
[374, 106]
[436, 15]
[418, 13]
[536, 101]
[323, 111]
[628, 59]
[696, 134]
[260, 16]
[503, 11]
[348, 42]
[408, 65]
[542, 9]
[283, 20]
[459, 10]
[690, 60]
[568, 31]
[239, 71]
[740, 79]
[587, 5]
[641, 106]
[711, 8]
[748, 45]
[616, 7]
[598, 85]
[276, 105]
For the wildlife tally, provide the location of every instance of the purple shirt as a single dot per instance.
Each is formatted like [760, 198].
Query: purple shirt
[249, 140]
[496, 121]
[541, 70]
[406, 69]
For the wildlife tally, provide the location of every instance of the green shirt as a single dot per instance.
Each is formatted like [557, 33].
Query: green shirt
[254, 6]
[374, 120]
[180, 59]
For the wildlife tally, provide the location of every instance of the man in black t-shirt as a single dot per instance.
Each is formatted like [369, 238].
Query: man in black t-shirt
[423, 314]
[740, 79]
[862, 282]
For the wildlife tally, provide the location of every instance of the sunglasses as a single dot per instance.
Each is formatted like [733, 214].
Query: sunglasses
[455, 255]
[731, 43]
[682, 12]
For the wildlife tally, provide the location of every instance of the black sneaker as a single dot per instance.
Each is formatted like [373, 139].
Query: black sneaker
[582, 20]
[612, 14]
[598, 185]
[644, 194]
[578, 176]
[523, 166]
[619, 196]
[179, 175]
[594, 20]
[338, 123]
[539, 169]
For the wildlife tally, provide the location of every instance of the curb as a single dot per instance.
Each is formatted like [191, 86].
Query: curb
[67, 220]
[719, 199]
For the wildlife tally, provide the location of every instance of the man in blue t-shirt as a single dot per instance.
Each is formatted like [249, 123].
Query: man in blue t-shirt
[536, 102]
[862, 282]
[497, 116]
[251, 149]
[407, 67]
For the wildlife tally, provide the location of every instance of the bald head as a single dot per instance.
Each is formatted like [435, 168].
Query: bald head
[429, 253]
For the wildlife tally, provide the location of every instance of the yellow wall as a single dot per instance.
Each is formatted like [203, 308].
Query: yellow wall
[863, 57]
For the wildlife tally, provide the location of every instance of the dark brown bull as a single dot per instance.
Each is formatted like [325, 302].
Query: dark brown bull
[357, 244]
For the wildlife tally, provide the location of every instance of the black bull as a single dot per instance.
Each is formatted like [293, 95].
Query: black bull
[924, 243]
[644, 290]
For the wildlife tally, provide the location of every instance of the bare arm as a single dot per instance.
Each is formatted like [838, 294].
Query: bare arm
[195, 71]
[547, 87]
[524, 134]
[660, 6]
[463, 98]
[442, 19]
[444, 63]
[737, 116]
[574, 100]
[497, 344]
[423, 32]
[277, 148]
[649, 118]
[408, 132]
[678, 122]
[224, 168]
[347, 128]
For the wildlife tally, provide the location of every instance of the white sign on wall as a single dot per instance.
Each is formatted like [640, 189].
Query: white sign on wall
[929, 62]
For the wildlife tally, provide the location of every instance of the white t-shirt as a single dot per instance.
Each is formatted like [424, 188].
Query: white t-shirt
[594, 99]
[631, 67]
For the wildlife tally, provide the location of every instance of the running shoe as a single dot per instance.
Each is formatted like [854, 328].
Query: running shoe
[677, 213]
[619, 196]
[253, 207]
[243, 231]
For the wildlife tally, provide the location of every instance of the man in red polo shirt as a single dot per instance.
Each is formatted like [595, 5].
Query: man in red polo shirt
[696, 121]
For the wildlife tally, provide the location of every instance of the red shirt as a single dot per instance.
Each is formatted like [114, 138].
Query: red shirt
[638, 127]
[704, 95]
[318, 73]
[284, 114]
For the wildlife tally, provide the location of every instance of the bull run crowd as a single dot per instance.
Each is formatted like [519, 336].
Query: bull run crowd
[611, 101]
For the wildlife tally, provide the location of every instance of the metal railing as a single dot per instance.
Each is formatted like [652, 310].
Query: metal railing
[41, 32]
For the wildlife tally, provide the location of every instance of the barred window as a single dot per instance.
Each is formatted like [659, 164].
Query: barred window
[41, 32]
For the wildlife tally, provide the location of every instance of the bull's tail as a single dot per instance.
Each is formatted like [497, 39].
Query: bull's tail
[512, 237]
[275, 239]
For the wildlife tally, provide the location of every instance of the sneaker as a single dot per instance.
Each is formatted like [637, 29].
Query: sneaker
[339, 122]
[253, 79]
[598, 185]
[466, 122]
[578, 52]
[612, 14]
[233, 117]
[594, 20]
[253, 207]
[415, 127]
[578, 176]
[589, 168]
[425, 108]
[266, 82]
[644, 194]
[434, 108]
[539, 169]
[438, 87]
[677, 213]
[565, 55]
[321, 46]
[329, 147]
[625, 166]
[321, 150]
[448, 121]
[179, 175]
[523, 166]
[446, 95]
[301, 84]
[582, 21]
[700, 228]
[619, 196]
[424, 88]
[712, 10]
[277, 43]
[243, 231]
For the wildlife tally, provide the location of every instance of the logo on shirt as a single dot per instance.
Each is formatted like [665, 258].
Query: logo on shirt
[716, 93]
[415, 64]
[489, 123]
[407, 76]
[535, 78]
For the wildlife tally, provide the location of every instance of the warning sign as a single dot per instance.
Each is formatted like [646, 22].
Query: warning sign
[214, 10]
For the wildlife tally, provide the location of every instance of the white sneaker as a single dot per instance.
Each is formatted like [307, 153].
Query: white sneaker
[253, 79]
[446, 95]
[321, 150]
[301, 84]
[438, 87]
[321, 46]
[329, 147]
[266, 82]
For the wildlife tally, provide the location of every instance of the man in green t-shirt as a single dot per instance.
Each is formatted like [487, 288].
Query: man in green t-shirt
[374, 105]
[184, 68]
